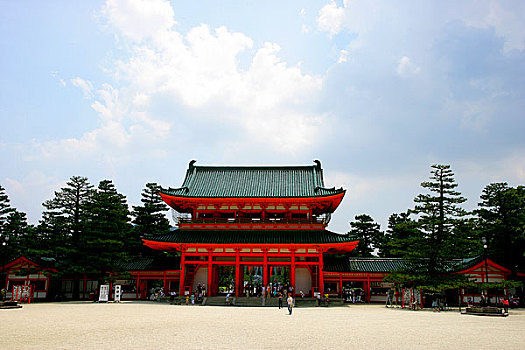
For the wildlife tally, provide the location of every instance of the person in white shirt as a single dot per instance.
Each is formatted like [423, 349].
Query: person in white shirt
[290, 303]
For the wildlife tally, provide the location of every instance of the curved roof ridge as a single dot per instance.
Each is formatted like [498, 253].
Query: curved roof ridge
[239, 181]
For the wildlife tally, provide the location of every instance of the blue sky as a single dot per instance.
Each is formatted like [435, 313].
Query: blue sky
[377, 90]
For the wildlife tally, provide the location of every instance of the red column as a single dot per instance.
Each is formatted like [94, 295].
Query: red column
[321, 275]
[138, 286]
[265, 267]
[237, 272]
[292, 270]
[182, 272]
[208, 288]
[368, 288]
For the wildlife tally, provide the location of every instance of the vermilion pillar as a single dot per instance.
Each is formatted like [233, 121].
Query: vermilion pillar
[182, 272]
[321, 274]
[265, 267]
[368, 288]
[237, 271]
[210, 260]
[292, 270]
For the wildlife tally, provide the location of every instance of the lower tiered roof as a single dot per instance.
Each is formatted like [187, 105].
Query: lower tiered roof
[252, 237]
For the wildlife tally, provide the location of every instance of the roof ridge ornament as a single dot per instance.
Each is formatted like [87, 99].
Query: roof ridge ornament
[193, 161]
[318, 163]
[317, 188]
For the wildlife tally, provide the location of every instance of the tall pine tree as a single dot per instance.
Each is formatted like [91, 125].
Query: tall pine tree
[106, 239]
[369, 234]
[16, 235]
[438, 214]
[62, 227]
[502, 221]
[5, 211]
[149, 217]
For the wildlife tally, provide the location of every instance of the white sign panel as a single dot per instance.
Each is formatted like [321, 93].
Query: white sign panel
[104, 293]
[118, 293]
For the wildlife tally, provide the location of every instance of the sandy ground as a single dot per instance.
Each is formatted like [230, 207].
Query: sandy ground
[150, 325]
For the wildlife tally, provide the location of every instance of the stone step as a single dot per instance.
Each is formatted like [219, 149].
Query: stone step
[244, 301]
[217, 301]
[271, 302]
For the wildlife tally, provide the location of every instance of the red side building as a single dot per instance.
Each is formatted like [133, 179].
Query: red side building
[247, 225]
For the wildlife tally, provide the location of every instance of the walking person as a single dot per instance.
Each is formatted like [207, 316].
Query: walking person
[506, 304]
[290, 302]
[280, 300]
[435, 304]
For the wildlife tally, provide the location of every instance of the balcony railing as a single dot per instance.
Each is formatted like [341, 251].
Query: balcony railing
[253, 221]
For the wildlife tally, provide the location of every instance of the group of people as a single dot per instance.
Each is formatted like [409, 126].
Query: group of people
[156, 293]
[290, 301]
[352, 295]
[272, 290]
[197, 295]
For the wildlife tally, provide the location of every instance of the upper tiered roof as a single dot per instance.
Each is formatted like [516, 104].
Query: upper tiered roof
[253, 182]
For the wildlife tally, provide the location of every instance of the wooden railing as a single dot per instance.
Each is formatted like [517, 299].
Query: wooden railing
[315, 220]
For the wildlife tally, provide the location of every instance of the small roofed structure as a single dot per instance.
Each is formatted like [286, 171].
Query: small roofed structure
[368, 274]
[31, 272]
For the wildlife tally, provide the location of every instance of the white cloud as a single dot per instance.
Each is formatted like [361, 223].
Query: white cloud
[139, 19]
[507, 20]
[268, 100]
[343, 56]
[406, 67]
[85, 85]
[331, 18]
[305, 29]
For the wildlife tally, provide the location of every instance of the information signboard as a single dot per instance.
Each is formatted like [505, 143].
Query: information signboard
[104, 293]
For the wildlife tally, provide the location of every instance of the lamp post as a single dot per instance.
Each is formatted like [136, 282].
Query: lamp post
[5, 247]
[484, 240]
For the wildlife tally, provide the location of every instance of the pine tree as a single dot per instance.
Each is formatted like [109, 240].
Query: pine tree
[438, 213]
[5, 211]
[19, 232]
[62, 227]
[16, 235]
[369, 235]
[400, 236]
[502, 221]
[149, 217]
[106, 237]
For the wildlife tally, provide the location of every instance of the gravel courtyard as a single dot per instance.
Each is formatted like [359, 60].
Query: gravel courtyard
[149, 325]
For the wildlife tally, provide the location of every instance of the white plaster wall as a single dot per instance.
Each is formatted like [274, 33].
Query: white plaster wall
[303, 280]
[200, 277]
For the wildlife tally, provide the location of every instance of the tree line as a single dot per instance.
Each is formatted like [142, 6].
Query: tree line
[437, 229]
[84, 229]
[91, 229]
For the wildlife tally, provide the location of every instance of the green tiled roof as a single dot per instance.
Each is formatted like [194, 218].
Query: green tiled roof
[251, 237]
[136, 264]
[384, 265]
[377, 265]
[253, 181]
[149, 264]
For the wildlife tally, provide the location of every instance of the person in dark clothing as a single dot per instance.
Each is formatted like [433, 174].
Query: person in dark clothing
[280, 300]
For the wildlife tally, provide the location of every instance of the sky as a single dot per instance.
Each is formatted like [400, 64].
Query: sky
[378, 91]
